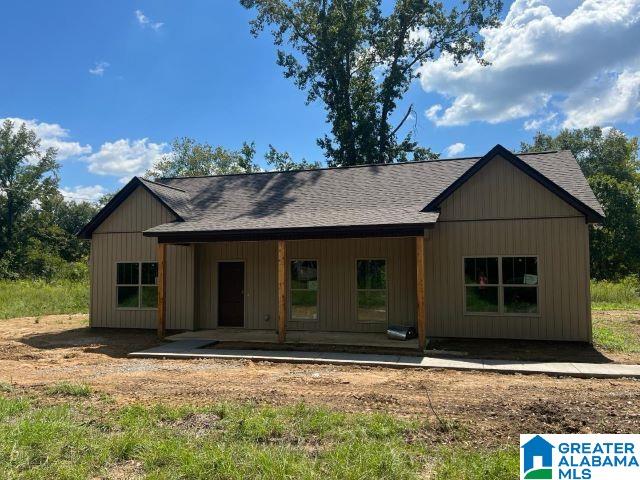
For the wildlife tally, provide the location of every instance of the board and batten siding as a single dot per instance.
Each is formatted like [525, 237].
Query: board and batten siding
[119, 239]
[336, 281]
[502, 211]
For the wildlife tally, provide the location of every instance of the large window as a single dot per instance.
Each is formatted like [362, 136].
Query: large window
[304, 290]
[371, 290]
[501, 285]
[136, 285]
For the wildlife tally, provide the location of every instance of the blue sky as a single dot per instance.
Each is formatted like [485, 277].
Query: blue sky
[111, 83]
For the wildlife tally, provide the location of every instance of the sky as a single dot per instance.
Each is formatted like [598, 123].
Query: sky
[110, 84]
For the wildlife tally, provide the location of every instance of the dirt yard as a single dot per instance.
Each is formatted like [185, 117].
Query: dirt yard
[491, 408]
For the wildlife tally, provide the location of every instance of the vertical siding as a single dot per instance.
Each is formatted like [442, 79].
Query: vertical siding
[500, 190]
[501, 211]
[119, 239]
[336, 283]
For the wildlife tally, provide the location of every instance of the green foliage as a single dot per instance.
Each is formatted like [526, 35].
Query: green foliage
[610, 163]
[189, 158]
[27, 298]
[70, 389]
[282, 161]
[37, 226]
[360, 62]
[622, 295]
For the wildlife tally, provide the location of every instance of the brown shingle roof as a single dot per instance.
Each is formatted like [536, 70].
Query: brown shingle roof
[372, 195]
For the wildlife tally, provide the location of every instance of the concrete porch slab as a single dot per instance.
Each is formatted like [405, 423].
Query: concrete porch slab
[185, 349]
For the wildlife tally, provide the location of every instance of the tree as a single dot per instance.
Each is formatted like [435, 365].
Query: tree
[360, 63]
[28, 177]
[188, 158]
[610, 163]
[282, 161]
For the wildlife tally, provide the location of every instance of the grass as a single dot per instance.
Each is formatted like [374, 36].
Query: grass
[620, 334]
[623, 295]
[27, 298]
[70, 389]
[77, 439]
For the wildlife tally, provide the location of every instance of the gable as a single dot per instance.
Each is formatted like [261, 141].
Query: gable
[137, 212]
[501, 190]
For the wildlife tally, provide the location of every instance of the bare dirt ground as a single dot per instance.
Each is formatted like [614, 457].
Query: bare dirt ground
[491, 408]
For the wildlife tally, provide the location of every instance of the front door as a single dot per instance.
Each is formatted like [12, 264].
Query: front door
[231, 294]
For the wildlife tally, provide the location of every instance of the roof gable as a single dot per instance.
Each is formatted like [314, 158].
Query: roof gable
[590, 213]
[152, 188]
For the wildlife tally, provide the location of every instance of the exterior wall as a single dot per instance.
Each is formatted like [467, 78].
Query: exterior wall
[336, 281]
[501, 211]
[119, 239]
[500, 190]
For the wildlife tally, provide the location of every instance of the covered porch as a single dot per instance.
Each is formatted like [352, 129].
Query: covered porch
[296, 337]
[267, 308]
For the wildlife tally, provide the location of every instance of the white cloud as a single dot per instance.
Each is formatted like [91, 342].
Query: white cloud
[53, 135]
[577, 58]
[79, 193]
[125, 158]
[145, 21]
[99, 68]
[545, 122]
[455, 149]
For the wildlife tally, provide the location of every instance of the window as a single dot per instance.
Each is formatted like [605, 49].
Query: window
[136, 285]
[304, 290]
[501, 285]
[371, 290]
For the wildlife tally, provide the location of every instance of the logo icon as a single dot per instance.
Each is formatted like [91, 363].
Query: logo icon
[537, 459]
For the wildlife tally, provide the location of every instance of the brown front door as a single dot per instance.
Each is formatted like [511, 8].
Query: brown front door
[231, 294]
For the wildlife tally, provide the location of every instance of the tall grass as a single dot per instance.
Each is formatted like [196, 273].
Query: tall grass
[623, 295]
[29, 298]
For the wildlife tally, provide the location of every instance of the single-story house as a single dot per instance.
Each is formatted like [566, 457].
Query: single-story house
[489, 247]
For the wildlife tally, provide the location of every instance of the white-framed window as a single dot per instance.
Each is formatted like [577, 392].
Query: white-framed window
[137, 285]
[371, 290]
[303, 290]
[501, 285]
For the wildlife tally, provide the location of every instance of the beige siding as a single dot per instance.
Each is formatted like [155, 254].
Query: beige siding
[501, 211]
[337, 281]
[500, 190]
[119, 239]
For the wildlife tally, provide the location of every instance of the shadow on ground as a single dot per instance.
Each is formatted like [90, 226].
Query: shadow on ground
[112, 342]
[529, 350]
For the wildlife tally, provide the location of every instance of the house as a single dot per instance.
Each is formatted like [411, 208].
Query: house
[490, 247]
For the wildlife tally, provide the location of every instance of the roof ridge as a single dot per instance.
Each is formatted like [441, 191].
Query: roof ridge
[346, 167]
[162, 184]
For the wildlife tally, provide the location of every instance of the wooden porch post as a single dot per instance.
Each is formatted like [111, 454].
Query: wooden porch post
[420, 294]
[162, 288]
[282, 293]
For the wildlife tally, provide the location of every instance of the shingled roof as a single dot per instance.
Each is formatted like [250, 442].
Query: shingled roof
[393, 198]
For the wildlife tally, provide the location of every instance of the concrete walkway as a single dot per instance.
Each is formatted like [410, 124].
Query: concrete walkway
[194, 349]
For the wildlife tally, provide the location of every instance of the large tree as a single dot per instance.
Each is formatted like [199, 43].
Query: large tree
[610, 163]
[360, 62]
[28, 178]
[189, 158]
